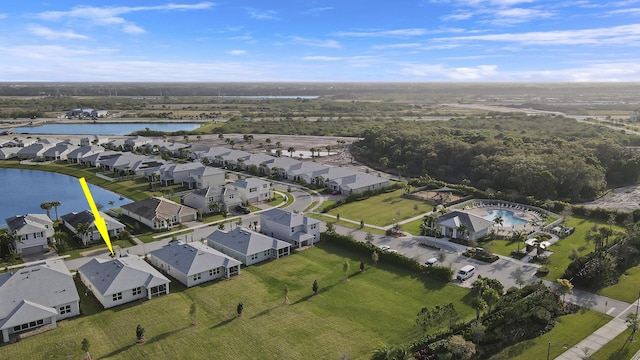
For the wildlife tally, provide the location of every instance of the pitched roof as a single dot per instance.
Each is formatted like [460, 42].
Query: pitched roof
[288, 218]
[157, 207]
[247, 183]
[45, 285]
[455, 218]
[75, 218]
[193, 258]
[245, 241]
[29, 223]
[111, 276]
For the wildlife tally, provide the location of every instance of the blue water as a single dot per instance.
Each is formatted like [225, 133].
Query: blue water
[22, 192]
[104, 129]
[508, 217]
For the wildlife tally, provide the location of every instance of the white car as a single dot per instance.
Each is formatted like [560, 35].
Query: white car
[431, 262]
[393, 251]
[385, 247]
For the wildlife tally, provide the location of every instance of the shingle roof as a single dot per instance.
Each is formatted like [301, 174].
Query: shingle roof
[288, 218]
[47, 285]
[455, 218]
[193, 258]
[245, 241]
[111, 276]
[74, 218]
[152, 207]
[29, 223]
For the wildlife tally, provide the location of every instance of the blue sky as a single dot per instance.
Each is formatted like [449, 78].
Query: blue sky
[315, 40]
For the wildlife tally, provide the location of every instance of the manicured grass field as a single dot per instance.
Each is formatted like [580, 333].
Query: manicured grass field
[562, 249]
[347, 318]
[627, 288]
[569, 330]
[381, 210]
[620, 348]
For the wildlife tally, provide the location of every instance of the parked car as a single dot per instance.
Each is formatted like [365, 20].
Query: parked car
[243, 209]
[466, 272]
[385, 247]
[431, 262]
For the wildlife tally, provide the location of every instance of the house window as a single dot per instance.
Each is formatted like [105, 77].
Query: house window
[292, 230]
[264, 186]
[196, 277]
[215, 271]
[117, 296]
[137, 291]
[266, 253]
[253, 190]
[313, 226]
[65, 309]
[253, 256]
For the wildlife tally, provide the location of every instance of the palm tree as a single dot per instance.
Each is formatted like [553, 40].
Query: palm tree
[55, 205]
[519, 237]
[46, 206]
[463, 229]
[82, 229]
[498, 220]
[278, 144]
[328, 147]
[291, 150]
[214, 206]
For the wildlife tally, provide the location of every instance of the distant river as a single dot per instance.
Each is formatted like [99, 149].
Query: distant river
[22, 192]
[104, 129]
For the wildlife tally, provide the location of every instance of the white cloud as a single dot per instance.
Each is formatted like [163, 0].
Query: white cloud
[383, 33]
[109, 16]
[619, 35]
[49, 34]
[263, 14]
[459, 15]
[439, 71]
[518, 15]
[629, 11]
[322, 58]
[314, 42]
[318, 10]
[237, 52]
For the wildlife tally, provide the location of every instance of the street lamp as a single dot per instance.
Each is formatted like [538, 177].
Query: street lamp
[564, 346]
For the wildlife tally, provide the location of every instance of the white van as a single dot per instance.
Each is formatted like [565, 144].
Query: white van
[466, 272]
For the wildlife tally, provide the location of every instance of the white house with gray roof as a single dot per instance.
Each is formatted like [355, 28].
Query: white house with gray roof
[58, 152]
[73, 219]
[8, 152]
[227, 198]
[121, 280]
[32, 232]
[253, 190]
[36, 296]
[76, 154]
[358, 183]
[476, 227]
[249, 247]
[296, 229]
[193, 263]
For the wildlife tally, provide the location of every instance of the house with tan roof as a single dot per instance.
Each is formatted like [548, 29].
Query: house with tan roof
[159, 213]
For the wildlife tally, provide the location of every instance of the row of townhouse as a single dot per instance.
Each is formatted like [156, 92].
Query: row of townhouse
[337, 179]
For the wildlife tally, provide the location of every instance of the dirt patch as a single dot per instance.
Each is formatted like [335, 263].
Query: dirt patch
[624, 199]
[439, 197]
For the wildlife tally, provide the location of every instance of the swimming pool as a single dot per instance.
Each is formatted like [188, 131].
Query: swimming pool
[508, 217]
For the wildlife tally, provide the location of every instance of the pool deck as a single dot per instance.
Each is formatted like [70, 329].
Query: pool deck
[531, 217]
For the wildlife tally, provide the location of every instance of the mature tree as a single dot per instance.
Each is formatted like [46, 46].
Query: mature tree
[479, 305]
[518, 237]
[46, 206]
[463, 231]
[314, 287]
[375, 257]
[291, 150]
[345, 269]
[85, 348]
[331, 227]
[240, 308]
[477, 331]
[139, 333]
[83, 229]
[564, 287]
[490, 296]
[361, 224]
[55, 205]
[498, 220]
[442, 256]
[460, 348]
[6, 239]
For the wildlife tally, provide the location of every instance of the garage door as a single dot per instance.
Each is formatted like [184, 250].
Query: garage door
[32, 250]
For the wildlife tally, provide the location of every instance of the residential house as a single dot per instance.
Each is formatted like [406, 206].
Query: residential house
[297, 171]
[249, 247]
[99, 113]
[159, 213]
[115, 144]
[9, 152]
[133, 143]
[80, 113]
[465, 226]
[96, 158]
[121, 280]
[140, 166]
[358, 183]
[34, 151]
[213, 199]
[192, 175]
[73, 219]
[296, 229]
[36, 296]
[193, 263]
[253, 190]
[94, 140]
[58, 152]
[78, 153]
[32, 233]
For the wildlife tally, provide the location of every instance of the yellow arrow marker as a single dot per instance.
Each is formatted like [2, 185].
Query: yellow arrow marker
[101, 225]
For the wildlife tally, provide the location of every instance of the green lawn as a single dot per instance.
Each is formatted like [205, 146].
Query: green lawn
[627, 288]
[569, 330]
[620, 348]
[381, 210]
[562, 249]
[347, 318]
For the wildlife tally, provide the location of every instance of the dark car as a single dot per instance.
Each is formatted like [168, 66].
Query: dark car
[243, 209]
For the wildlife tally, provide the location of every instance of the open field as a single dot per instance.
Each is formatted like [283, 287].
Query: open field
[620, 348]
[569, 330]
[627, 288]
[346, 318]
